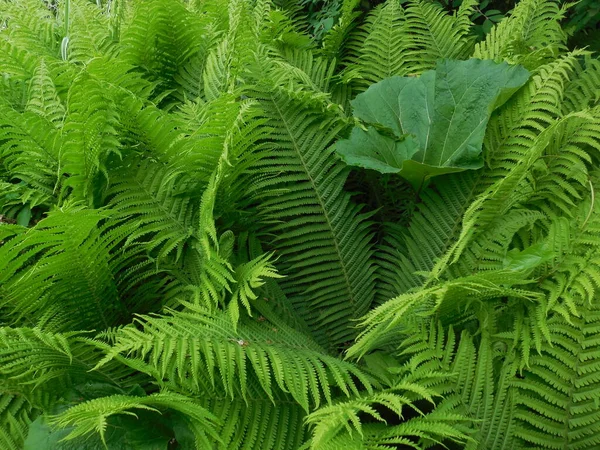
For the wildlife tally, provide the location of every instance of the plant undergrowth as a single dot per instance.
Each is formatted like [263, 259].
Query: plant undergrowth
[222, 229]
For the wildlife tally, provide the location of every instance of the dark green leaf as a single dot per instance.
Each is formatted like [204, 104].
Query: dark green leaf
[444, 111]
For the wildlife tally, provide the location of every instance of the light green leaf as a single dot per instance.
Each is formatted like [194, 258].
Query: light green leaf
[431, 125]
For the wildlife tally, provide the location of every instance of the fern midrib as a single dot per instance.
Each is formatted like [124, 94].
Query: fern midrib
[348, 285]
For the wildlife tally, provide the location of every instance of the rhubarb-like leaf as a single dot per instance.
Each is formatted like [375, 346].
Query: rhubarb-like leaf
[431, 125]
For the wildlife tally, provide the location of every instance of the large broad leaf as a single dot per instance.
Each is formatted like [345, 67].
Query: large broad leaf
[431, 125]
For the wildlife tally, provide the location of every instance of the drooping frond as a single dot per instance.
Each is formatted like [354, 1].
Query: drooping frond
[53, 363]
[428, 376]
[335, 39]
[477, 382]
[30, 150]
[198, 351]
[43, 97]
[454, 294]
[583, 90]
[258, 422]
[89, 34]
[89, 137]
[148, 211]
[398, 39]
[152, 43]
[91, 416]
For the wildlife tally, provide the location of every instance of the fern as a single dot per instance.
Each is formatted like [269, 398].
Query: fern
[185, 262]
[92, 415]
[557, 395]
[16, 414]
[201, 351]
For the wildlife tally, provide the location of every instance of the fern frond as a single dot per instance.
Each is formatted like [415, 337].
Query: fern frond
[558, 394]
[434, 227]
[456, 293]
[91, 416]
[258, 422]
[582, 91]
[530, 35]
[478, 383]
[41, 366]
[322, 235]
[89, 137]
[30, 149]
[32, 26]
[89, 33]
[43, 97]
[436, 35]
[198, 351]
[148, 209]
[64, 247]
[335, 40]
[332, 424]
[380, 48]
[15, 416]
[150, 42]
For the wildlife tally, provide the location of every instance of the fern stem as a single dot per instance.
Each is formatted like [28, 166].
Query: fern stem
[593, 201]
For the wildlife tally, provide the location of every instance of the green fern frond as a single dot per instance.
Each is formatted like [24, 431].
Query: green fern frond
[582, 91]
[499, 198]
[89, 138]
[15, 416]
[91, 416]
[41, 366]
[30, 150]
[248, 277]
[558, 393]
[190, 77]
[43, 97]
[436, 35]
[149, 40]
[530, 35]
[335, 40]
[258, 422]
[321, 233]
[479, 384]
[66, 248]
[456, 293]
[380, 48]
[89, 33]
[148, 208]
[198, 351]
[332, 425]
[31, 26]
[434, 227]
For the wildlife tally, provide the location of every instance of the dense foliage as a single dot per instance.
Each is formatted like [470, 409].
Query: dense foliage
[186, 261]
